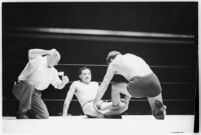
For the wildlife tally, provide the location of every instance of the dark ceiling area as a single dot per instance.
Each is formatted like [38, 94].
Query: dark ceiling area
[162, 17]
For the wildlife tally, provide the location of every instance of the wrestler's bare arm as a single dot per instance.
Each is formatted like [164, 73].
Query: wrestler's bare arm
[104, 85]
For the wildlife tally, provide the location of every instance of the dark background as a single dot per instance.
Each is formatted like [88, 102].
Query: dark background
[173, 60]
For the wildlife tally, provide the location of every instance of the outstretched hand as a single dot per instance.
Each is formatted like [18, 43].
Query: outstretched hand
[65, 79]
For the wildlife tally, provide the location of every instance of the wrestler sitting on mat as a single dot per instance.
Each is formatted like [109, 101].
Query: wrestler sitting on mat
[142, 82]
[85, 91]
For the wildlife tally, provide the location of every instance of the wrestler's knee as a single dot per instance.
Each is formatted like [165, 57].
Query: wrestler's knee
[155, 93]
[123, 107]
[126, 106]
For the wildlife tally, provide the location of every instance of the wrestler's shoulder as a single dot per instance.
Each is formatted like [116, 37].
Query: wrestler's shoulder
[76, 82]
[94, 82]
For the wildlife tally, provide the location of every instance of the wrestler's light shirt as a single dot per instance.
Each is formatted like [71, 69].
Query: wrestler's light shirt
[85, 92]
[37, 73]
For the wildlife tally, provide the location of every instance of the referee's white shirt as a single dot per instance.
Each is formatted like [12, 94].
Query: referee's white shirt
[38, 73]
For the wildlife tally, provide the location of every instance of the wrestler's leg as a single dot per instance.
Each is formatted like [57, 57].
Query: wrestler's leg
[156, 102]
[157, 107]
[91, 112]
[110, 110]
[153, 99]
[121, 88]
[116, 106]
[106, 105]
[118, 88]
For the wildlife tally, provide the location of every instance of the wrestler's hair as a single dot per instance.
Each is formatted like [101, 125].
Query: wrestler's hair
[82, 68]
[111, 55]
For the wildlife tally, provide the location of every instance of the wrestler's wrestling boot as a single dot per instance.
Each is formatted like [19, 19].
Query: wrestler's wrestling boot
[160, 111]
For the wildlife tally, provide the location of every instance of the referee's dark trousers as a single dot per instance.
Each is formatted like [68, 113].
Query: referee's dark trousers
[30, 99]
